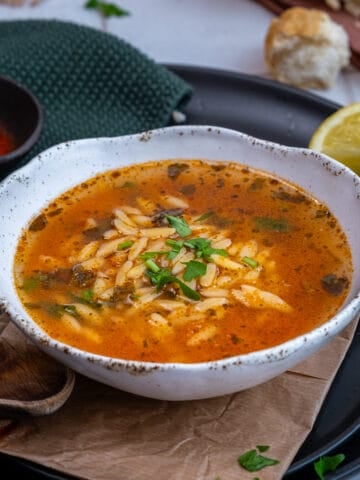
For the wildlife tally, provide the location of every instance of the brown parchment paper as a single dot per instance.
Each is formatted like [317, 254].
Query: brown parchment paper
[103, 434]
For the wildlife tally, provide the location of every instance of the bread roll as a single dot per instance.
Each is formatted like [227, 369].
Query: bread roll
[306, 48]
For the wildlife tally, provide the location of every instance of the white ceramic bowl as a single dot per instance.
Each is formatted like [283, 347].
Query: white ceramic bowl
[57, 169]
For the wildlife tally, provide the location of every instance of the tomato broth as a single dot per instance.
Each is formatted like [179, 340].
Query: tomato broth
[182, 261]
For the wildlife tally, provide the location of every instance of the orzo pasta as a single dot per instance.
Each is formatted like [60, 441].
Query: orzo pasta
[182, 261]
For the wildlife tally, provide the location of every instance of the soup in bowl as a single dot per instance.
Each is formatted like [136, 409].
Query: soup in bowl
[182, 263]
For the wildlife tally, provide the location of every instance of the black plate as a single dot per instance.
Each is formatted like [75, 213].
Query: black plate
[275, 112]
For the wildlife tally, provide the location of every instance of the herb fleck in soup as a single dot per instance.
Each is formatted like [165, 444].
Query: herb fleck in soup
[182, 261]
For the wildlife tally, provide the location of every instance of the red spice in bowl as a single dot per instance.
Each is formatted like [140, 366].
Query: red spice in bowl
[21, 121]
[7, 141]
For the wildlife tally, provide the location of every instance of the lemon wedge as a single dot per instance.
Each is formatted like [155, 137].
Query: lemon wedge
[339, 136]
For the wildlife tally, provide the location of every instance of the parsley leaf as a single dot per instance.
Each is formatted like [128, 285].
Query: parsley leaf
[252, 461]
[204, 216]
[272, 224]
[187, 291]
[39, 279]
[57, 310]
[154, 268]
[106, 9]
[180, 225]
[125, 245]
[203, 248]
[87, 298]
[252, 263]
[162, 277]
[31, 283]
[87, 295]
[148, 255]
[176, 246]
[328, 464]
[194, 269]
[262, 448]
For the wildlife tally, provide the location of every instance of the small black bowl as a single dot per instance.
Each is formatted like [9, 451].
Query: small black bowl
[21, 116]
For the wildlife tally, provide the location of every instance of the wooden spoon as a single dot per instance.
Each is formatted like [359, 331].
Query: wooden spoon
[31, 382]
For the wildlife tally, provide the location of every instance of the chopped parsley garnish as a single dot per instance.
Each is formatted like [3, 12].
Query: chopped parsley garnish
[204, 216]
[125, 245]
[148, 255]
[193, 270]
[87, 295]
[203, 248]
[176, 246]
[262, 448]
[30, 283]
[106, 9]
[162, 276]
[250, 262]
[87, 298]
[37, 280]
[328, 464]
[71, 310]
[272, 224]
[152, 266]
[252, 460]
[180, 225]
[57, 310]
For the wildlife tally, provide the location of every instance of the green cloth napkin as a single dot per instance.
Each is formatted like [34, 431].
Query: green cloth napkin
[90, 83]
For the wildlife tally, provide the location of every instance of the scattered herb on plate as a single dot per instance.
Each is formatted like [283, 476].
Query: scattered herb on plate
[252, 460]
[328, 464]
[106, 9]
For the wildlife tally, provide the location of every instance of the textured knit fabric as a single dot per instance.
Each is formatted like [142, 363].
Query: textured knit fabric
[89, 83]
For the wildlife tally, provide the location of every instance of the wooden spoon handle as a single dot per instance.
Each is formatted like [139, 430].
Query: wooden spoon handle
[31, 382]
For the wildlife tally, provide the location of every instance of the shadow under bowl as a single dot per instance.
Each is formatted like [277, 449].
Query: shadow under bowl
[21, 117]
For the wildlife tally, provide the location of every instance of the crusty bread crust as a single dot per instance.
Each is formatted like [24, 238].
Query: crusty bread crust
[306, 48]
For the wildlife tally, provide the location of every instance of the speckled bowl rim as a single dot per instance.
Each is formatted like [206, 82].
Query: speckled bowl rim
[265, 356]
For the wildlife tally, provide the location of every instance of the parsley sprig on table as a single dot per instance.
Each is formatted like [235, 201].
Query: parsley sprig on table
[328, 464]
[253, 460]
[106, 9]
